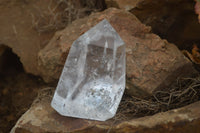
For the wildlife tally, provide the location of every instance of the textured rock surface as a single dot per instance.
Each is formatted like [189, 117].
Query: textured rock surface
[28, 25]
[41, 118]
[174, 20]
[17, 30]
[122, 4]
[152, 63]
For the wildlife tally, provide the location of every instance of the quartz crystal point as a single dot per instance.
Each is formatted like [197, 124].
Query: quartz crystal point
[93, 78]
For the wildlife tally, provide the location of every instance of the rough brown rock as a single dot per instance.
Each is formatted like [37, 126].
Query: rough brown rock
[122, 4]
[17, 30]
[41, 118]
[174, 20]
[152, 63]
[28, 25]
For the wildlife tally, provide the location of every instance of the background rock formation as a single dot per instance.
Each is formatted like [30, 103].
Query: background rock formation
[152, 63]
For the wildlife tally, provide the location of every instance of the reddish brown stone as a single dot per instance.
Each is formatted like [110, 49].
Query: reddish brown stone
[123, 4]
[174, 20]
[152, 63]
[18, 31]
[28, 25]
[41, 118]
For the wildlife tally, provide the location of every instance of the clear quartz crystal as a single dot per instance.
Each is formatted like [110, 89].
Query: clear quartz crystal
[93, 78]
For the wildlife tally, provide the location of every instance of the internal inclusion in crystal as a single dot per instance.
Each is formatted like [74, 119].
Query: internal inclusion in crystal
[93, 78]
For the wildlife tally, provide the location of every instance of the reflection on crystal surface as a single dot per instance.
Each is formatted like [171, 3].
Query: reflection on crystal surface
[93, 78]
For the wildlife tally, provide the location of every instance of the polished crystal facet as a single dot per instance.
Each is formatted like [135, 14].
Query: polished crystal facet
[93, 78]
